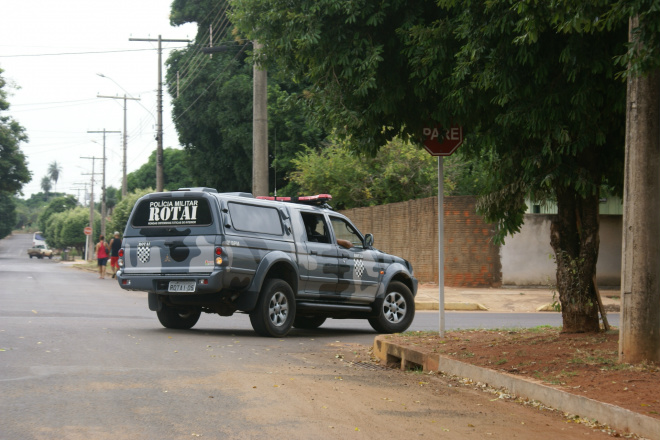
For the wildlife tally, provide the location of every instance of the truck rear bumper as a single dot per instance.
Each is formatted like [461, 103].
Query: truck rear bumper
[159, 283]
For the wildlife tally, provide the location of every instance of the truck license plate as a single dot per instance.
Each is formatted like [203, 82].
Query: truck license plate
[181, 286]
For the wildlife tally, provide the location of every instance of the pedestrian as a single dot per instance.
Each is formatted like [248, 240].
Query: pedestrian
[115, 245]
[101, 251]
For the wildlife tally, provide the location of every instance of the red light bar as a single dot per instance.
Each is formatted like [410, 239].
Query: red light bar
[309, 200]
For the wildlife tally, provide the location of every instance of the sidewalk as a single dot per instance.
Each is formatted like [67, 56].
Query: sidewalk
[505, 299]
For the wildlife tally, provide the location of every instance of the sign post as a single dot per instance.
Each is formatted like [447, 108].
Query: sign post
[88, 236]
[439, 142]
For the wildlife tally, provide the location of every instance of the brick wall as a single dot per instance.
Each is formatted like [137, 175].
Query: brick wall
[410, 230]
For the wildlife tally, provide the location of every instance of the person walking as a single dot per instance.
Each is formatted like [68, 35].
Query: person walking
[115, 245]
[101, 251]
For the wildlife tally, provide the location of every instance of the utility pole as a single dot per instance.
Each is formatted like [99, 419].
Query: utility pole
[124, 186]
[159, 136]
[103, 186]
[259, 123]
[90, 238]
[639, 329]
[259, 129]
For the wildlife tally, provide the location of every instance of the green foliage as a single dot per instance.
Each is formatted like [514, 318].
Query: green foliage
[56, 205]
[54, 171]
[213, 110]
[176, 172]
[13, 166]
[112, 196]
[7, 214]
[73, 223]
[400, 171]
[65, 229]
[542, 107]
[123, 209]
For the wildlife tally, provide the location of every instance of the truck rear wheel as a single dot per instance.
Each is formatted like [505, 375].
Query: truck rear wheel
[181, 319]
[276, 308]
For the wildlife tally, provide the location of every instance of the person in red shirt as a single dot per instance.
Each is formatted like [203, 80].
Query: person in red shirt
[101, 251]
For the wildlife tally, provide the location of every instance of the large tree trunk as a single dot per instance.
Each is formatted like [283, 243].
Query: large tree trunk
[575, 240]
[639, 338]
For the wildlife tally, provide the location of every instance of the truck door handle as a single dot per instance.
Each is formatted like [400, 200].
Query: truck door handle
[313, 253]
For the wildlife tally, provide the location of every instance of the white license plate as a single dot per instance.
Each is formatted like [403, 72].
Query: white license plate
[181, 286]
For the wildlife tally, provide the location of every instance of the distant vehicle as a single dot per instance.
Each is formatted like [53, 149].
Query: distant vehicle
[38, 239]
[40, 251]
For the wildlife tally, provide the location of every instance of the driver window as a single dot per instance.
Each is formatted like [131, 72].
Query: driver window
[346, 231]
[315, 227]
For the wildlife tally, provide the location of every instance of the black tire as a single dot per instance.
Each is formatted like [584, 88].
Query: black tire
[50, 257]
[396, 309]
[31, 256]
[275, 311]
[181, 319]
[308, 322]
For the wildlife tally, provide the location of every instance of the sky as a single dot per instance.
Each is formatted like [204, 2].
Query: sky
[53, 52]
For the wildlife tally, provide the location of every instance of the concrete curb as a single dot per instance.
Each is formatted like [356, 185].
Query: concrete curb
[452, 306]
[615, 417]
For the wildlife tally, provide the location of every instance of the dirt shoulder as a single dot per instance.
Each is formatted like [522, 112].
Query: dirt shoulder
[581, 364]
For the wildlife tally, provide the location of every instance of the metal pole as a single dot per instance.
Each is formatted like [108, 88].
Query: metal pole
[441, 246]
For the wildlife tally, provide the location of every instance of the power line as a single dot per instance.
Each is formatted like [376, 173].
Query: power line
[81, 53]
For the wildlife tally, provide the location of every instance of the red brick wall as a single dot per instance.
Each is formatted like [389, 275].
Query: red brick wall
[410, 230]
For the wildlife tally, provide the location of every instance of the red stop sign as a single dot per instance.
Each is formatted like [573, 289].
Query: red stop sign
[442, 142]
[87, 230]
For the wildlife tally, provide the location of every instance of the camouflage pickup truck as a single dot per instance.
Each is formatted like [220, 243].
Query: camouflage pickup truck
[287, 262]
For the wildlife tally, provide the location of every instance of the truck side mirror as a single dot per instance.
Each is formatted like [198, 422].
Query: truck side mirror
[369, 240]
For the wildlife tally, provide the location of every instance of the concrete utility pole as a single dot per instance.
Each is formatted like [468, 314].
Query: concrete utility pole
[159, 136]
[259, 129]
[124, 187]
[639, 338]
[103, 213]
[90, 238]
[259, 123]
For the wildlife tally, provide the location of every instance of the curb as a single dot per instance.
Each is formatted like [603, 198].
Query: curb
[615, 417]
[453, 306]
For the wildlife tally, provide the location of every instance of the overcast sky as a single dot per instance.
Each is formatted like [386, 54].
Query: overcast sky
[56, 99]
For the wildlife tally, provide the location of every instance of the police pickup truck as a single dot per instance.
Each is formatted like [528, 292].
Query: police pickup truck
[287, 262]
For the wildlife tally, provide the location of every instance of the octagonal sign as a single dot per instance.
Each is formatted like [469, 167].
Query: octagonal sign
[442, 142]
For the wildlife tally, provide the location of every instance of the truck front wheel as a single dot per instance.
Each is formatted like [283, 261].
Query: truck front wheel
[396, 309]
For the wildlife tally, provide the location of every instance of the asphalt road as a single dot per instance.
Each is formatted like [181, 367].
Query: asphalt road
[82, 359]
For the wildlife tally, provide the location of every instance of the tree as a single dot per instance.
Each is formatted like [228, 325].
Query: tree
[56, 205]
[13, 166]
[542, 106]
[54, 171]
[213, 107]
[46, 185]
[7, 214]
[177, 172]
